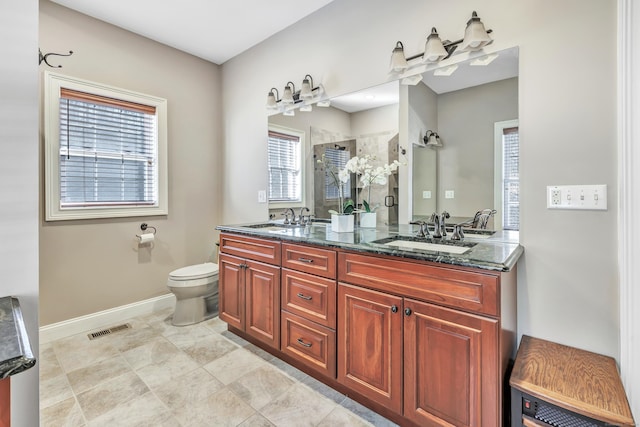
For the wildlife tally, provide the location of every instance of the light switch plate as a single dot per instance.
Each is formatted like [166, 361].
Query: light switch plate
[585, 197]
[262, 196]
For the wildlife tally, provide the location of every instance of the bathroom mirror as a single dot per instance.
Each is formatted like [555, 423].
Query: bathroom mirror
[467, 104]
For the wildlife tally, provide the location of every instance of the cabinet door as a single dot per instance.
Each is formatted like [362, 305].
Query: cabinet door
[262, 291]
[370, 344]
[231, 290]
[450, 367]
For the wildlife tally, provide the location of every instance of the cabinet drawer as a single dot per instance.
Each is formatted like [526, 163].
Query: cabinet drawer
[458, 288]
[321, 262]
[311, 297]
[309, 343]
[251, 248]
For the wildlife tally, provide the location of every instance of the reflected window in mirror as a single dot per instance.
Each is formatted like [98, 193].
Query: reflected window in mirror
[339, 158]
[285, 165]
[507, 169]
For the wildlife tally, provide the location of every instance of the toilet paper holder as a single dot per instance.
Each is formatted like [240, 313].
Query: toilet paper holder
[144, 226]
[146, 238]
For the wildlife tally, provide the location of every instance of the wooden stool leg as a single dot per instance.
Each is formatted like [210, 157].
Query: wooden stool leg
[5, 403]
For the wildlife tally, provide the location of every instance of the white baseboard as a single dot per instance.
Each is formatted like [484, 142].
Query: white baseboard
[104, 318]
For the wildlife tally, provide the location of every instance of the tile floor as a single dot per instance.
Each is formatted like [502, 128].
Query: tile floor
[156, 374]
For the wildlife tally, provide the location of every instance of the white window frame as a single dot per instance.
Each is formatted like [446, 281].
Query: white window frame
[53, 212]
[498, 128]
[303, 149]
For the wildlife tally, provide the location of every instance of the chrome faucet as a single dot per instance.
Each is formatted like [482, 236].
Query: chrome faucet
[423, 231]
[286, 216]
[458, 234]
[301, 219]
[439, 221]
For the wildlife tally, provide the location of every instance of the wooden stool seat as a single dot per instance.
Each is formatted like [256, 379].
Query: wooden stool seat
[579, 381]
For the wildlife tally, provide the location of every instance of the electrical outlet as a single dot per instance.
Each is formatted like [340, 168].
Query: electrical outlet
[262, 196]
[449, 194]
[426, 194]
[585, 197]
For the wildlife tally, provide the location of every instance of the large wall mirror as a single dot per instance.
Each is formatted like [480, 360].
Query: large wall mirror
[471, 105]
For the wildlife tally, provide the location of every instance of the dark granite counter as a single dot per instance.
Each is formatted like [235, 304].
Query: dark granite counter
[15, 351]
[498, 251]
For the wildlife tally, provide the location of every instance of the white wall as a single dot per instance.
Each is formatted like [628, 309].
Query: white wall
[19, 185]
[567, 279]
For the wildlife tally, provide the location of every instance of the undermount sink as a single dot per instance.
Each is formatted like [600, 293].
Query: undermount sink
[415, 244]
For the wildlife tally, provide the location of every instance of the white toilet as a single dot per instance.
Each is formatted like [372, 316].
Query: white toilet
[196, 291]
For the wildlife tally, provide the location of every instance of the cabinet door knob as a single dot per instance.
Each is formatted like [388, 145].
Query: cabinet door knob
[394, 308]
[304, 297]
[407, 312]
[304, 344]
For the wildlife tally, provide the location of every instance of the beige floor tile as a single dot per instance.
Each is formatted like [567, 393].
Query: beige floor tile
[208, 348]
[48, 363]
[221, 409]
[88, 377]
[79, 351]
[143, 411]
[234, 365]
[132, 338]
[156, 350]
[54, 390]
[158, 373]
[261, 386]
[215, 324]
[341, 417]
[193, 387]
[63, 414]
[109, 395]
[256, 420]
[298, 407]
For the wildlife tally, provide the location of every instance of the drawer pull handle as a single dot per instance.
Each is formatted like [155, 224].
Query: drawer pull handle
[304, 297]
[304, 344]
[307, 260]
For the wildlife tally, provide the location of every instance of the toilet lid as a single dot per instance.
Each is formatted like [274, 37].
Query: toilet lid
[197, 271]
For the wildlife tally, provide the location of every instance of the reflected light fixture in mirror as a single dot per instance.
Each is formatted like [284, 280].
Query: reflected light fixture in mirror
[432, 139]
[475, 38]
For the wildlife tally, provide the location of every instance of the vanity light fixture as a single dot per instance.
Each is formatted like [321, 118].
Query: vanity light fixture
[307, 94]
[436, 50]
[475, 36]
[432, 139]
[287, 94]
[272, 99]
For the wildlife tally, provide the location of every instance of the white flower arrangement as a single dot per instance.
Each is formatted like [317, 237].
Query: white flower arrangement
[339, 178]
[369, 174]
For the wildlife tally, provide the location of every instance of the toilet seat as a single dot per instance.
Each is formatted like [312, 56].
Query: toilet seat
[193, 275]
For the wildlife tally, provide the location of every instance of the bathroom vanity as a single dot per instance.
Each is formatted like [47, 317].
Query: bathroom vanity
[420, 331]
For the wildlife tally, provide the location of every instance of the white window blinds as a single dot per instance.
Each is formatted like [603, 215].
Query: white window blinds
[285, 173]
[338, 158]
[108, 152]
[511, 179]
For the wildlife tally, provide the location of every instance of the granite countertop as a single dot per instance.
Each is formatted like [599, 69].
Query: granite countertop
[15, 351]
[497, 251]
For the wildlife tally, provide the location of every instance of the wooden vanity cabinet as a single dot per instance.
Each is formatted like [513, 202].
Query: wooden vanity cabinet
[436, 364]
[309, 307]
[249, 290]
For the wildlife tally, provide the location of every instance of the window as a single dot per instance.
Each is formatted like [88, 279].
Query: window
[105, 151]
[339, 158]
[285, 154]
[507, 176]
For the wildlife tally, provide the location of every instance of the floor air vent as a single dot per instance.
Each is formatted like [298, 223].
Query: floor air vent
[102, 333]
